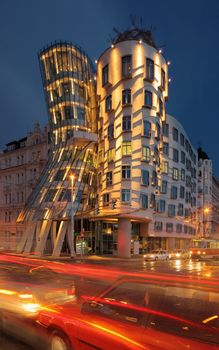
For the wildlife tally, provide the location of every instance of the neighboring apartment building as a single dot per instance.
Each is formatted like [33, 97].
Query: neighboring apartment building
[21, 164]
[147, 166]
[208, 199]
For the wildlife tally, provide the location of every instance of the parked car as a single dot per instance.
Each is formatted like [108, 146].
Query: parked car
[179, 254]
[152, 313]
[158, 254]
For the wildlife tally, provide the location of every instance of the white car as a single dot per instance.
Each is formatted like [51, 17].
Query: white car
[157, 255]
[180, 254]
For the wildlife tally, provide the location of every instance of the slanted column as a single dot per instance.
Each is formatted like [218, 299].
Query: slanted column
[124, 238]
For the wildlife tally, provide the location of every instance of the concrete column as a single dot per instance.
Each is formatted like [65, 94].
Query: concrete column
[124, 238]
[170, 243]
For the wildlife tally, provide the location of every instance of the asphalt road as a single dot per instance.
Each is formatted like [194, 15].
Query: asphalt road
[207, 269]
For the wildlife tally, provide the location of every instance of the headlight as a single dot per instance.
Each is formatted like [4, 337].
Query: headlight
[178, 255]
[152, 256]
[31, 307]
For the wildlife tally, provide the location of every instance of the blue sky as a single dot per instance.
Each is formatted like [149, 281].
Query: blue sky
[188, 31]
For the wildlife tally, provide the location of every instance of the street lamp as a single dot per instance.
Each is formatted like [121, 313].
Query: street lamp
[72, 218]
[205, 221]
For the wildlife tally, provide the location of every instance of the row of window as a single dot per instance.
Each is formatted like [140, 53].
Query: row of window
[127, 100]
[179, 137]
[179, 228]
[126, 71]
[19, 198]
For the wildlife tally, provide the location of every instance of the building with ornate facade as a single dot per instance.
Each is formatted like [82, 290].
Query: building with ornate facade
[21, 164]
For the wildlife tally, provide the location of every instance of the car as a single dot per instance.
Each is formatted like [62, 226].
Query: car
[158, 254]
[156, 312]
[179, 254]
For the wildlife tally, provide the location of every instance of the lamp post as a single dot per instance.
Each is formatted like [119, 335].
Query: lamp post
[206, 212]
[72, 219]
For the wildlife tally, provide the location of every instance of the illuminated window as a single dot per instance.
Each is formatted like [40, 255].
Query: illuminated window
[144, 201]
[126, 123]
[126, 66]
[149, 69]
[171, 210]
[126, 97]
[126, 172]
[175, 174]
[125, 195]
[146, 153]
[126, 148]
[146, 128]
[111, 154]
[108, 105]
[109, 178]
[165, 167]
[148, 98]
[145, 177]
[105, 75]
[105, 199]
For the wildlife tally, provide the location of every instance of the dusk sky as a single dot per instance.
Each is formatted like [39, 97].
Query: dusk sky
[188, 31]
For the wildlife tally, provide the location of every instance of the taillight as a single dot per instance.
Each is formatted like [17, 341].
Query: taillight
[71, 291]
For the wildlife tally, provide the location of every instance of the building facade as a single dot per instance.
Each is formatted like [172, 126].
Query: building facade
[21, 165]
[67, 185]
[208, 199]
[146, 192]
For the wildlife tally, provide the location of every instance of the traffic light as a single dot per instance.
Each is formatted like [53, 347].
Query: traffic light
[114, 203]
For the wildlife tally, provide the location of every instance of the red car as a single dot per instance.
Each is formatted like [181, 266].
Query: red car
[155, 312]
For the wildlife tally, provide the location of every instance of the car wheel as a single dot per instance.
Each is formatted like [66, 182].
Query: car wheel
[59, 341]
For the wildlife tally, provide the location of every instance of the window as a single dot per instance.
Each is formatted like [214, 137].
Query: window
[126, 148]
[105, 199]
[125, 195]
[126, 172]
[148, 99]
[161, 206]
[163, 79]
[175, 174]
[109, 178]
[105, 75]
[175, 155]
[153, 201]
[182, 192]
[165, 167]
[165, 128]
[166, 148]
[180, 209]
[157, 134]
[178, 228]
[182, 140]
[171, 210]
[183, 174]
[146, 128]
[126, 66]
[111, 154]
[183, 157]
[154, 178]
[59, 175]
[158, 226]
[126, 97]
[126, 123]
[160, 107]
[169, 227]
[145, 177]
[149, 69]
[146, 153]
[144, 201]
[175, 134]
[66, 88]
[108, 106]
[164, 186]
[173, 194]
[69, 113]
[110, 131]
